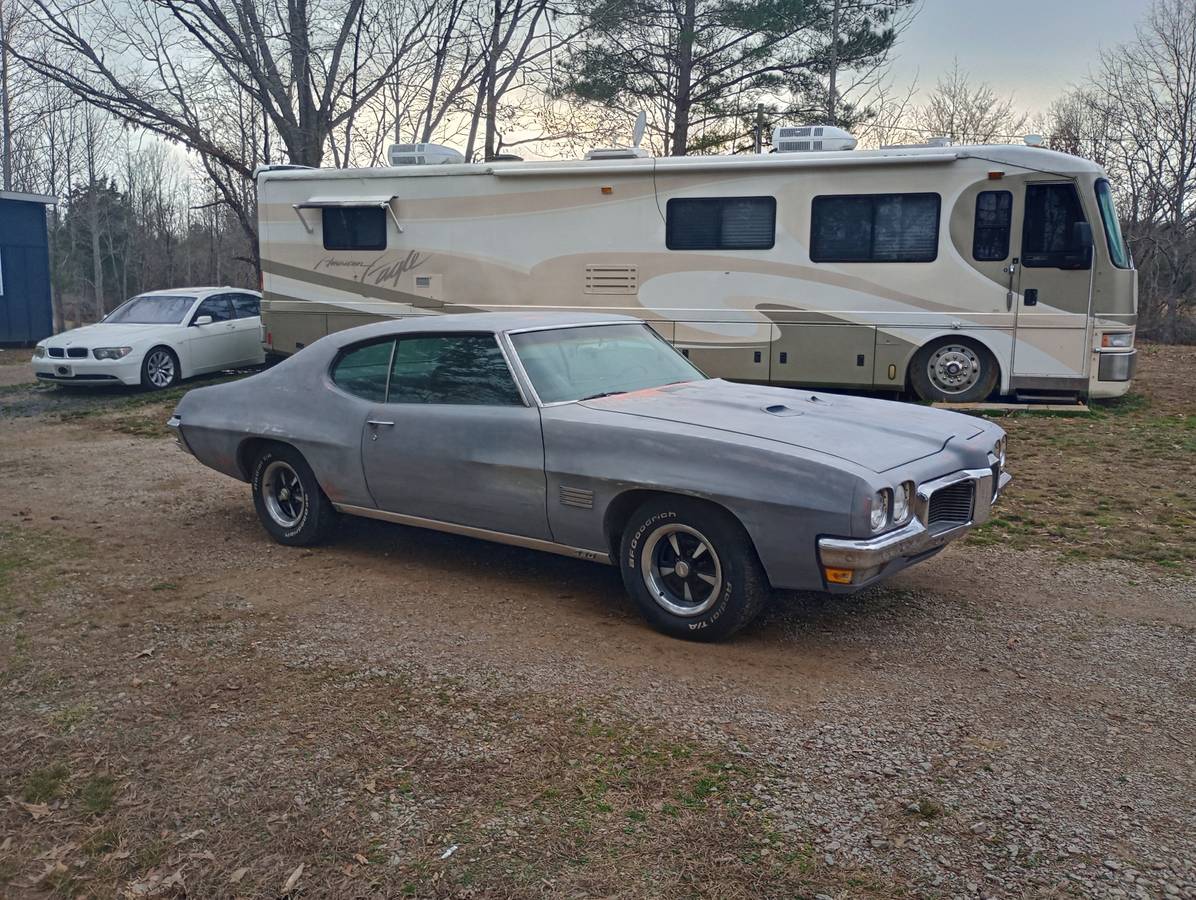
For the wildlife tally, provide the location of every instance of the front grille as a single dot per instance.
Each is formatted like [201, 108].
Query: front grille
[77, 352]
[57, 352]
[952, 505]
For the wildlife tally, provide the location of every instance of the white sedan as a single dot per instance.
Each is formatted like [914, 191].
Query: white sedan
[157, 339]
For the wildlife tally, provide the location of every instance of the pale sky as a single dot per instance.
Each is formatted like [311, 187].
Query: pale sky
[1032, 48]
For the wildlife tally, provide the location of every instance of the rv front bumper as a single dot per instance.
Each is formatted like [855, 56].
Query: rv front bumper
[863, 561]
[1116, 365]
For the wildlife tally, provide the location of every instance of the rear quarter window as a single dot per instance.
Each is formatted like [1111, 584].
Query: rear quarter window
[363, 370]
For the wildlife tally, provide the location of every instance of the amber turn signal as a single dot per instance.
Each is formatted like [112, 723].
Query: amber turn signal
[838, 576]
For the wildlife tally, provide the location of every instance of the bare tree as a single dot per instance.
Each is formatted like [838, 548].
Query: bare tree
[968, 113]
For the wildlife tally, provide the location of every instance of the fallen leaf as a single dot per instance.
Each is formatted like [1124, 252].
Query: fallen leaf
[372, 785]
[294, 879]
[360, 857]
[237, 875]
[145, 654]
[7, 843]
[37, 810]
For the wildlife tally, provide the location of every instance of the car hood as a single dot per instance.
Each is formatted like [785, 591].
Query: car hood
[876, 434]
[105, 335]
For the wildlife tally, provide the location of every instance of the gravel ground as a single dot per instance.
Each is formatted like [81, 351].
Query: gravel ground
[994, 722]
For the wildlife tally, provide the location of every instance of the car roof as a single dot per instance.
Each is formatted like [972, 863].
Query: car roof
[196, 291]
[498, 322]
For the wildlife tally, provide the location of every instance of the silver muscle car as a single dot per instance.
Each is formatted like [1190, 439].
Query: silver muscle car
[590, 436]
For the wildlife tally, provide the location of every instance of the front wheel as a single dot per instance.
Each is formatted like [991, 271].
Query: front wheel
[691, 569]
[954, 371]
[160, 369]
[288, 499]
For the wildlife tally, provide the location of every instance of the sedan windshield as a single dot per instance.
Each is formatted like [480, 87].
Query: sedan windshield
[598, 360]
[152, 309]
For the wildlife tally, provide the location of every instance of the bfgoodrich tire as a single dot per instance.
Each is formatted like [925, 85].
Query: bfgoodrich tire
[691, 569]
[288, 499]
[953, 371]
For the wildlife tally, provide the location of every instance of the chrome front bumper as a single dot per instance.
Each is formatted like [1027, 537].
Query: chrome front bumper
[867, 556]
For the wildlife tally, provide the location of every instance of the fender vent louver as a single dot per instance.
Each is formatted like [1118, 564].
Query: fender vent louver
[577, 497]
[612, 279]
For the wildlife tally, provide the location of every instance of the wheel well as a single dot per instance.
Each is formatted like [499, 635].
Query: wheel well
[250, 449]
[619, 510]
[926, 348]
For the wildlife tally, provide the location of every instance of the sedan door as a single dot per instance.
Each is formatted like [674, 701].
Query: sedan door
[455, 441]
[213, 346]
[248, 330]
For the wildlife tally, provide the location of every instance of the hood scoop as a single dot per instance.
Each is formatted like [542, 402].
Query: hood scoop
[780, 409]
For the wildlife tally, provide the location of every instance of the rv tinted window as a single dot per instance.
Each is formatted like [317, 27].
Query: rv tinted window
[1049, 237]
[994, 212]
[362, 370]
[354, 227]
[452, 368]
[721, 223]
[875, 228]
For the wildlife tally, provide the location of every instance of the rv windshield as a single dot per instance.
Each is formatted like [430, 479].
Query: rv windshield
[151, 309]
[1108, 214]
[590, 361]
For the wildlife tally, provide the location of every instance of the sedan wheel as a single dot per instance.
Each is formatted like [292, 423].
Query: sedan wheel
[289, 501]
[160, 369]
[691, 568]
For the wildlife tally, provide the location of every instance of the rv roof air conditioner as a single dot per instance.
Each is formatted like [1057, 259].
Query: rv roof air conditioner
[618, 153]
[423, 155]
[809, 138]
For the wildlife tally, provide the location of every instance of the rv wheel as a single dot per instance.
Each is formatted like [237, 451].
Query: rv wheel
[954, 371]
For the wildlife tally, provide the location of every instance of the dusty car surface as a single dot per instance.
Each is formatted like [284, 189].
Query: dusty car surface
[590, 436]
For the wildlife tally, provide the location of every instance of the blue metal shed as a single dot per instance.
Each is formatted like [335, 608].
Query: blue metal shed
[25, 312]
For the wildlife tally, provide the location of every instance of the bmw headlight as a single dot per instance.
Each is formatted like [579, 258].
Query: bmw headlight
[902, 499]
[878, 515]
[112, 352]
[39, 351]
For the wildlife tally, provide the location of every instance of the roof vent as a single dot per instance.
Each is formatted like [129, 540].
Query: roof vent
[423, 155]
[809, 138]
[618, 153]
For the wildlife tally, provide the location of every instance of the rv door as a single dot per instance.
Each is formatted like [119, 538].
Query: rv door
[1053, 288]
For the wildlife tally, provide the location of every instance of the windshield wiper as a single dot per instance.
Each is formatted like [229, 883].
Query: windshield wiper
[599, 396]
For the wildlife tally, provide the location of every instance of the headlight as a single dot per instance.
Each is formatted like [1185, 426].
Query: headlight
[39, 351]
[879, 513]
[112, 352]
[999, 451]
[901, 502]
[1119, 339]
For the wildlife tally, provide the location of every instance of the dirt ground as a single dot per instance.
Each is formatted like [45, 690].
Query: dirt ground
[187, 709]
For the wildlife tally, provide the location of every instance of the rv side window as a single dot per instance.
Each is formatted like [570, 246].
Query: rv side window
[721, 223]
[994, 212]
[1049, 236]
[362, 370]
[875, 228]
[354, 227]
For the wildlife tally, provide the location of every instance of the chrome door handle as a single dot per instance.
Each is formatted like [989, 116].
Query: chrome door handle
[377, 422]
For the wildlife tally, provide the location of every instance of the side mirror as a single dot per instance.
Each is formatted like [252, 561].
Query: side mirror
[202, 320]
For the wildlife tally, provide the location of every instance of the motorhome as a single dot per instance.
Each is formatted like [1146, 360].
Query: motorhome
[953, 271]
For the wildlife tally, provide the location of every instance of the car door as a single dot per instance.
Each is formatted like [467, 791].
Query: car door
[212, 346]
[455, 441]
[248, 330]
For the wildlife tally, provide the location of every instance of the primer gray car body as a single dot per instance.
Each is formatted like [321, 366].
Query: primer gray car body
[797, 469]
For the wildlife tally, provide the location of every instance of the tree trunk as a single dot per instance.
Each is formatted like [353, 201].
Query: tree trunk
[491, 78]
[685, 60]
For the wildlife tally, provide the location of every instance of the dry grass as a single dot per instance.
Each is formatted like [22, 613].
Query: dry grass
[1118, 483]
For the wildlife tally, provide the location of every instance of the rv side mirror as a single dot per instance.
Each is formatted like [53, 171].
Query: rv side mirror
[202, 320]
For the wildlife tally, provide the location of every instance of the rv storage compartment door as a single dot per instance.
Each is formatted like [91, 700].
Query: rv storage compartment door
[824, 354]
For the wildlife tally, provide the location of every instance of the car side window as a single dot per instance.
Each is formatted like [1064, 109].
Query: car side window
[246, 306]
[216, 306]
[462, 369]
[362, 370]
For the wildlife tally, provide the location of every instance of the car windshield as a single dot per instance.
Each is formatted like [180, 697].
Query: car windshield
[598, 360]
[151, 309]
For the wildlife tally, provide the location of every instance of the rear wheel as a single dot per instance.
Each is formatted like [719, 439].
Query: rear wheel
[159, 369]
[288, 499]
[691, 569]
[954, 371]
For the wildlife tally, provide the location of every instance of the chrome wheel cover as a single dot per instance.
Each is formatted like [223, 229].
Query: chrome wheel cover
[283, 492]
[954, 368]
[681, 570]
[159, 368]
